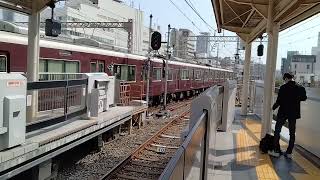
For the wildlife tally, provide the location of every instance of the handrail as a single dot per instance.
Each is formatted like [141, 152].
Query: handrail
[180, 153]
[204, 121]
[57, 101]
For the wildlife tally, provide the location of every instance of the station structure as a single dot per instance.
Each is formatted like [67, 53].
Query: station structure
[248, 18]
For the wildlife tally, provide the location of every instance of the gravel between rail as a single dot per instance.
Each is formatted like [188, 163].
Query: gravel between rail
[95, 165]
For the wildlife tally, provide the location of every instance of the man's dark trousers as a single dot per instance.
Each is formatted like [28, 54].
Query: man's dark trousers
[292, 130]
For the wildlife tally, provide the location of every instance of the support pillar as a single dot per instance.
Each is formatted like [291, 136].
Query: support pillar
[246, 80]
[269, 82]
[130, 126]
[42, 171]
[33, 59]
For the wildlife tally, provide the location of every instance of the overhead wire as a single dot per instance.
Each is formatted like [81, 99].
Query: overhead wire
[312, 18]
[198, 14]
[185, 15]
[289, 35]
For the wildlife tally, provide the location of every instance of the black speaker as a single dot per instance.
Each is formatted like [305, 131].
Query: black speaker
[260, 50]
[53, 28]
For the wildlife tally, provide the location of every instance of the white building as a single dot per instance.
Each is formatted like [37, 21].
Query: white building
[183, 48]
[316, 52]
[103, 11]
[303, 67]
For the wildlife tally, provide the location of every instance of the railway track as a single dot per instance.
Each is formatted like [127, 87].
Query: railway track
[171, 106]
[150, 158]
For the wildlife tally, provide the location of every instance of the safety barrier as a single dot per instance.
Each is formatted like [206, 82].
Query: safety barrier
[57, 101]
[60, 76]
[195, 158]
[250, 95]
[229, 98]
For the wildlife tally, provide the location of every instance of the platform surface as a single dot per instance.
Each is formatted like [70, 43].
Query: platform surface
[57, 137]
[240, 158]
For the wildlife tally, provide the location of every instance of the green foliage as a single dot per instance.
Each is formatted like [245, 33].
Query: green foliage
[278, 83]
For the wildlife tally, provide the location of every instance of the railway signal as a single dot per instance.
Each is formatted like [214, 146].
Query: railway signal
[156, 40]
[53, 27]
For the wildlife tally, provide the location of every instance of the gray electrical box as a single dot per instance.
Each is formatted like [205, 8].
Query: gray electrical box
[12, 110]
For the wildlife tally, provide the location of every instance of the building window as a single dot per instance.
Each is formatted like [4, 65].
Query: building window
[3, 64]
[156, 74]
[308, 66]
[125, 72]
[185, 74]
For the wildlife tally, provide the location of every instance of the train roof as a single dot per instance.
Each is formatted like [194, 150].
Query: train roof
[23, 40]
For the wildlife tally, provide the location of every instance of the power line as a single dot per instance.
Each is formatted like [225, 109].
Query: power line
[289, 35]
[302, 39]
[193, 22]
[185, 15]
[314, 17]
[195, 11]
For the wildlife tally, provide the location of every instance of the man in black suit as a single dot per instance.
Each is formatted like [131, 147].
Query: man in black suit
[289, 97]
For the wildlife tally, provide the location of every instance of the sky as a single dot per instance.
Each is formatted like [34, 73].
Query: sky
[301, 37]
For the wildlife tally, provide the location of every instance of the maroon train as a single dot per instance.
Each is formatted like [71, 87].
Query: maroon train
[185, 79]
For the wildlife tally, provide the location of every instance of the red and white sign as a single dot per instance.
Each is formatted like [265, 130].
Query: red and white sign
[14, 83]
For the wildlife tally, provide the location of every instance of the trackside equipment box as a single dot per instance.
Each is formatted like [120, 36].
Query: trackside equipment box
[12, 110]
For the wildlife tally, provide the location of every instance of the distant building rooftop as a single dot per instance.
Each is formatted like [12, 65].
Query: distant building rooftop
[304, 58]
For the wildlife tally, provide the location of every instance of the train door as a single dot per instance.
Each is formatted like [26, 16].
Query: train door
[178, 78]
[192, 79]
[4, 62]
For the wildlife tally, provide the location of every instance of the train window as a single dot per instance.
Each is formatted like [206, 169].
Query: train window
[185, 74]
[206, 76]
[131, 73]
[217, 75]
[97, 66]
[93, 67]
[198, 75]
[211, 74]
[55, 66]
[3, 63]
[101, 67]
[72, 67]
[58, 66]
[156, 74]
[43, 66]
[170, 75]
[125, 72]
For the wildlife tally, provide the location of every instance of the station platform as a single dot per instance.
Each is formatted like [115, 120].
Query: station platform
[238, 156]
[46, 143]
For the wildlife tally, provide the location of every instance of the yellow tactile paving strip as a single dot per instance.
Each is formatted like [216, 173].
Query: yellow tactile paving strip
[248, 151]
[248, 154]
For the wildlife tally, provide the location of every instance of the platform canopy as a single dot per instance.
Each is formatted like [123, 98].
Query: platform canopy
[24, 6]
[248, 18]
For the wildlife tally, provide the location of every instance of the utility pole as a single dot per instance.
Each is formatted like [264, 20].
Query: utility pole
[149, 62]
[166, 70]
[217, 55]
[237, 57]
